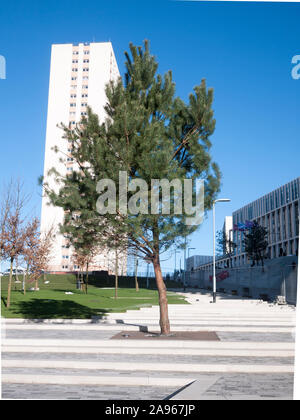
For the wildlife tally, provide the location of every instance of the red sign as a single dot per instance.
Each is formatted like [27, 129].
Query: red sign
[220, 276]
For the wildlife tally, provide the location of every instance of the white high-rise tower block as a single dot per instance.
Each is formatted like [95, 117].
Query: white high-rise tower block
[78, 76]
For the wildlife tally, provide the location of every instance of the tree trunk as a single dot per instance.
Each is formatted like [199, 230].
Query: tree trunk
[9, 283]
[17, 275]
[24, 283]
[87, 278]
[25, 278]
[81, 279]
[163, 302]
[262, 264]
[78, 286]
[36, 283]
[136, 280]
[116, 276]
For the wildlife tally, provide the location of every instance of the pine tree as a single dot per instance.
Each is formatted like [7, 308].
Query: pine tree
[149, 134]
[256, 244]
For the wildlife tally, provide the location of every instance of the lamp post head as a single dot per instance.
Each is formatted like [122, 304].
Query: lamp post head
[189, 251]
[222, 200]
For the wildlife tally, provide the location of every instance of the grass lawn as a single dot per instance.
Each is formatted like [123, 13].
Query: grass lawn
[51, 301]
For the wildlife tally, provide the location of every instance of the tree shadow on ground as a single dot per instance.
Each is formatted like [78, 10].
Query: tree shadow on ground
[47, 308]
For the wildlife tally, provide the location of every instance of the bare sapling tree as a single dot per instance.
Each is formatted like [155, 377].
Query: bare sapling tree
[42, 256]
[84, 257]
[117, 243]
[5, 207]
[32, 242]
[13, 231]
[79, 261]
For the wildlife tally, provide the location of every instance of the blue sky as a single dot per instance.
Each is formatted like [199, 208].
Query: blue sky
[244, 50]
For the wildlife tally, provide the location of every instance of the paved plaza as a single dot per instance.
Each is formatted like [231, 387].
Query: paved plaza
[77, 359]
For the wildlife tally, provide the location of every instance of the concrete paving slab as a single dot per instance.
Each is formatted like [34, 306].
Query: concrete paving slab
[141, 343]
[187, 352]
[253, 360]
[94, 380]
[195, 389]
[158, 367]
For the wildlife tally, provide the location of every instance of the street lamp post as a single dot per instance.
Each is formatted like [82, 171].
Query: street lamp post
[188, 258]
[220, 200]
[184, 266]
[180, 268]
[176, 252]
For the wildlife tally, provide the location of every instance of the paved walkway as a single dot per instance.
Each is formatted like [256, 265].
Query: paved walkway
[76, 359]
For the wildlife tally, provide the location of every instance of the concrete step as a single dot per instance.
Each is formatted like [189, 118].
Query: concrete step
[213, 328]
[147, 367]
[186, 352]
[86, 392]
[145, 354]
[152, 321]
[12, 378]
[66, 353]
[172, 344]
[187, 315]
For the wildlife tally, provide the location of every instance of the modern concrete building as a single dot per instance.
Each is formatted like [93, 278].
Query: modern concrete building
[278, 212]
[196, 261]
[78, 76]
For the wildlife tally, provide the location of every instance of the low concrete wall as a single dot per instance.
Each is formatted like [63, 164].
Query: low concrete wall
[278, 277]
